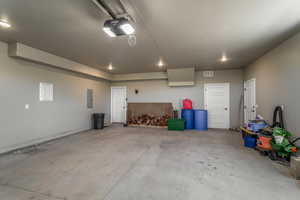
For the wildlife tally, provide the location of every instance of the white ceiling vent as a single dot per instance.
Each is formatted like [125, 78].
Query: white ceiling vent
[181, 77]
[208, 74]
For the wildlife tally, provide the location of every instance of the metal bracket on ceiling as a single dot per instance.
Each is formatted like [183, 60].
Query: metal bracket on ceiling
[127, 16]
[125, 10]
[108, 11]
[100, 7]
[104, 8]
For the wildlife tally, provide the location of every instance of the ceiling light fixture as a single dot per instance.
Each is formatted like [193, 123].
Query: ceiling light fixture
[224, 59]
[120, 24]
[110, 67]
[4, 24]
[160, 63]
[109, 32]
[127, 28]
[118, 27]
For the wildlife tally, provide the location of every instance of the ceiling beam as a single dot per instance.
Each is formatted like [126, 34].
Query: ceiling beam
[22, 51]
[140, 76]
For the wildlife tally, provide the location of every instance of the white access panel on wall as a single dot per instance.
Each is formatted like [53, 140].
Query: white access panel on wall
[249, 100]
[118, 104]
[217, 103]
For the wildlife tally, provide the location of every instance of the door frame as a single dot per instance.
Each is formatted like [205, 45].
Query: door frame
[111, 102]
[227, 84]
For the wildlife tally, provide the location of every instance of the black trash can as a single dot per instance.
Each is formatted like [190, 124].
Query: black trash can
[98, 120]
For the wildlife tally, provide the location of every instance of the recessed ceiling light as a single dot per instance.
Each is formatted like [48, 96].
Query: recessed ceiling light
[224, 58]
[160, 63]
[110, 67]
[4, 24]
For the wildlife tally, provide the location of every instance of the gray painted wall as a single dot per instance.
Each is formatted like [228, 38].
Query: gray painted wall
[277, 74]
[19, 85]
[159, 91]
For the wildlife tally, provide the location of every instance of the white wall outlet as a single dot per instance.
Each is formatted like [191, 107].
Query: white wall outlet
[27, 106]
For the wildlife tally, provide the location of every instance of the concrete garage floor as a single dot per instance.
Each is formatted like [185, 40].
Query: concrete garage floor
[136, 164]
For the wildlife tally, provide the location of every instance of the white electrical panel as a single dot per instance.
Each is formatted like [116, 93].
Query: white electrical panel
[208, 74]
[46, 92]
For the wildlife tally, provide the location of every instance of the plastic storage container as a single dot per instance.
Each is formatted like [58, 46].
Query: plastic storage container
[201, 120]
[187, 104]
[188, 116]
[175, 124]
[98, 120]
[249, 142]
[256, 127]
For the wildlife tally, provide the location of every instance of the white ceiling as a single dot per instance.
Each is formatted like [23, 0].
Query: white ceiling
[185, 33]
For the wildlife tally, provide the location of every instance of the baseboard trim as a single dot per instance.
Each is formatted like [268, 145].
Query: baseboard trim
[39, 141]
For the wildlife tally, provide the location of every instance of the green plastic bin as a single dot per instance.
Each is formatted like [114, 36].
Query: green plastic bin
[176, 124]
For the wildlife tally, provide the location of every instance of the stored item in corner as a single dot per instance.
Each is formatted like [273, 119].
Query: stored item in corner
[264, 142]
[188, 116]
[98, 120]
[175, 124]
[200, 117]
[256, 125]
[250, 142]
[187, 104]
[295, 167]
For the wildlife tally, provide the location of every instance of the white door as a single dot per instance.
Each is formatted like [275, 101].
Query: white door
[249, 100]
[216, 101]
[118, 104]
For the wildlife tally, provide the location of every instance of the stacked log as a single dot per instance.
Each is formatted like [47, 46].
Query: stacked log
[149, 120]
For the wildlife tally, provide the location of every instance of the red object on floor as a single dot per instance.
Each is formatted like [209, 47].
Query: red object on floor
[187, 104]
[294, 149]
[264, 142]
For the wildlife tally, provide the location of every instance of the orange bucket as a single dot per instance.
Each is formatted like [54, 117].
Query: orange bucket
[264, 142]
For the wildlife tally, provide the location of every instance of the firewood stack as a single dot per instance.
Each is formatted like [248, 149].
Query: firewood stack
[149, 120]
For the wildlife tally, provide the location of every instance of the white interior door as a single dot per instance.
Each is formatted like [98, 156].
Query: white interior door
[217, 101]
[250, 100]
[118, 104]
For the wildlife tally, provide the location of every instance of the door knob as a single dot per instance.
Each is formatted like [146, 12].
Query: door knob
[226, 108]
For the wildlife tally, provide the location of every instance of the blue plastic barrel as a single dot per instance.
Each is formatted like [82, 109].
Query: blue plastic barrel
[201, 120]
[188, 116]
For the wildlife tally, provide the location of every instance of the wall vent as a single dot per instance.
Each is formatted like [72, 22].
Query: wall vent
[208, 74]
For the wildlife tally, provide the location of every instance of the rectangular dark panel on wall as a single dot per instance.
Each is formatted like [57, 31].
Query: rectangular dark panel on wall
[90, 98]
